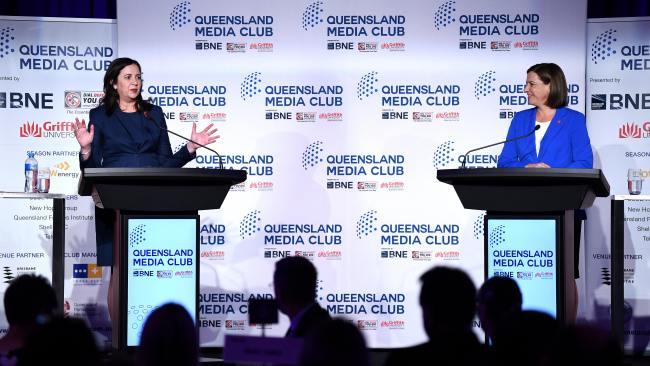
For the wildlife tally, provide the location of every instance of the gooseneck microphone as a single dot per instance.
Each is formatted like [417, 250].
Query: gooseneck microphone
[498, 143]
[148, 116]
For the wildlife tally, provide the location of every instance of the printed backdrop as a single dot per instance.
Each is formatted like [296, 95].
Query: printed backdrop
[341, 113]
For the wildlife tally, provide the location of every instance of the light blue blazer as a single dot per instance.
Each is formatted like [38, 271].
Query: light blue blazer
[565, 144]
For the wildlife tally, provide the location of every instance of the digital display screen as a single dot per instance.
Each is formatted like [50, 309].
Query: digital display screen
[525, 250]
[162, 268]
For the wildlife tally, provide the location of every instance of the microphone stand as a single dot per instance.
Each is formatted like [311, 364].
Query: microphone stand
[497, 143]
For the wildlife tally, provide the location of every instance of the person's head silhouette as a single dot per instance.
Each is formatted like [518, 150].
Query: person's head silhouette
[498, 300]
[447, 299]
[294, 281]
[169, 337]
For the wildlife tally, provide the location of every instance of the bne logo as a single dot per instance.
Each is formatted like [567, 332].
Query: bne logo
[632, 130]
[394, 254]
[27, 100]
[620, 101]
[472, 45]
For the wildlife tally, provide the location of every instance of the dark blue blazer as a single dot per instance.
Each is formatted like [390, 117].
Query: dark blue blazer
[565, 145]
[117, 143]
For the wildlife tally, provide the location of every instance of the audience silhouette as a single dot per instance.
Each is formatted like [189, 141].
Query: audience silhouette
[294, 281]
[169, 338]
[448, 301]
[498, 300]
[29, 299]
[337, 342]
[61, 341]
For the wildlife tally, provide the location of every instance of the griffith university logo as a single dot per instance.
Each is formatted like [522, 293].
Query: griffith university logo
[31, 130]
[443, 155]
[602, 48]
[312, 16]
[367, 86]
[445, 14]
[250, 224]
[137, 234]
[496, 236]
[367, 224]
[179, 16]
[312, 155]
[484, 85]
[629, 130]
[6, 44]
[251, 85]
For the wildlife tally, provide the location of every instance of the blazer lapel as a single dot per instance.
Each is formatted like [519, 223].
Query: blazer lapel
[555, 127]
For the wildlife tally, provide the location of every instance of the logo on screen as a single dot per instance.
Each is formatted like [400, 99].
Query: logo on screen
[137, 235]
[524, 275]
[496, 237]
[164, 274]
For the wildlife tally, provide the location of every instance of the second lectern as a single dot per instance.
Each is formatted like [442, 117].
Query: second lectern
[529, 226]
[157, 242]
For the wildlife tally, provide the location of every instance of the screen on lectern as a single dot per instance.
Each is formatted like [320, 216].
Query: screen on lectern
[162, 268]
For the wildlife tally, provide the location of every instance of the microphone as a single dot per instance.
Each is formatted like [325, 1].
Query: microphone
[147, 116]
[498, 143]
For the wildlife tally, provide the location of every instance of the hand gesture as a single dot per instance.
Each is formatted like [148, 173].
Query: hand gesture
[205, 137]
[84, 137]
[538, 165]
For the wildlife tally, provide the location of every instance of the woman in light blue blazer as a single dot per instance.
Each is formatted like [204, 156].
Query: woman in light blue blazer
[561, 141]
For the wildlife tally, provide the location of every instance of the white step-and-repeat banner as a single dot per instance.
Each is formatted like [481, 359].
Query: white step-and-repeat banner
[341, 112]
[618, 79]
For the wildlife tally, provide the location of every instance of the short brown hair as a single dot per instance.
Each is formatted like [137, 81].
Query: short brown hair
[552, 74]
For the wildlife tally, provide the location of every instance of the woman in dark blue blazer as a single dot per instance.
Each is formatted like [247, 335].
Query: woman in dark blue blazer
[127, 131]
[561, 141]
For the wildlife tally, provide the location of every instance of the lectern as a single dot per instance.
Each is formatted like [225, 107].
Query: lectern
[528, 227]
[158, 236]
